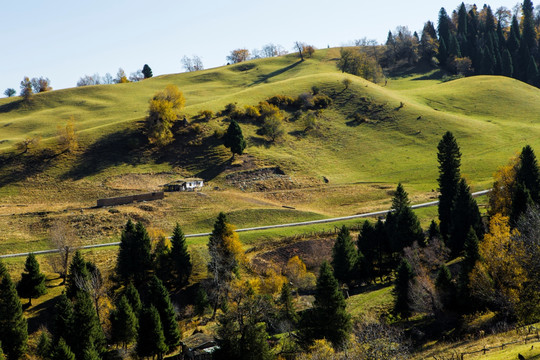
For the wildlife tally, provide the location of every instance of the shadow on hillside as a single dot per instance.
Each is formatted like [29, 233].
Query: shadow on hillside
[15, 168]
[43, 315]
[266, 77]
[14, 105]
[121, 147]
[436, 75]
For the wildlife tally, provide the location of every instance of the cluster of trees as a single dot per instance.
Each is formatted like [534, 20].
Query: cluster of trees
[121, 77]
[192, 64]
[360, 63]
[163, 111]
[269, 50]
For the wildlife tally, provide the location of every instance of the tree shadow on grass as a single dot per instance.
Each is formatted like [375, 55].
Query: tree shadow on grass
[19, 167]
[266, 77]
[43, 315]
[14, 105]
[118, 148]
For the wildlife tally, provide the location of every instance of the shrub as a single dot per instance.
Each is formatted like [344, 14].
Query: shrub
[322, 101]
[315, 90]
[206, 114]
[268, 110]
[305, 100]
[251, 112]
[282, 101]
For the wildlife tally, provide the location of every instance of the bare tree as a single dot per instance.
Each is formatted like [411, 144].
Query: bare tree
[197, 63]
[108, 79]
[136, 76]
[93, 285]
[41, 84]
[375, 340]
[300, 48]
[187, 63]
[63, 238]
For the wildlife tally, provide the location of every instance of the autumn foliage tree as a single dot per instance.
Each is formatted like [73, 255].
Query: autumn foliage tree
[238, 55]
[67, 137]
[163, 111]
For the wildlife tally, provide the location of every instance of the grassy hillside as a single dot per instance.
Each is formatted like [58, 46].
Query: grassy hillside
[372, 137]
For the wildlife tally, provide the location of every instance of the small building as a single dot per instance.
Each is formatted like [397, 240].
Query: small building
[190, 184]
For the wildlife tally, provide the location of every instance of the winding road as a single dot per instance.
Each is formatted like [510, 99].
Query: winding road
[266, 227]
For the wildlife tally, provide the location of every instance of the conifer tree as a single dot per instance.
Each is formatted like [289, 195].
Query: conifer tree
[234, 139]
[134, 257]
[465, 214]
[45, 346]
[401, 199]
[63, 319]
[77, 271]
[89, 329]
[62, 351]
[528, 173]
[521, 199]
[367, 251]
[445, 286]
[403, 225]
[90, 353]
[328, 318]
[449, 158]
[529, 29]
[13, 325]
[344, 256]
[287, 310]
[147, 72]
[159, 297]
[32, 284]
[514, 37]
[433, 231]
[507, 67]
[124, 323]
[443, 26]
[133, 297]
[201, 301]
[150, 338]
[405, 275]
[532, 72]
[180, 256]
[462, 20]
[471, 256]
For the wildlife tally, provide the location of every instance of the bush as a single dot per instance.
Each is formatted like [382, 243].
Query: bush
[206, 114]
[268, 110]
[282, 101]
[229, 108]
[315, 90]
[251, 112]
[305, 101]
[322, 101]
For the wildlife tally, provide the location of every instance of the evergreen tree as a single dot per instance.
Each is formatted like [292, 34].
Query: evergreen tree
[123, 323]
[234, 139]
[150, 338]
[201, 301]
[45, 346]
[63, 319]
[159, 297]
[462, 20]
[521, 200]
[400, 200]
[403, 225]
[89, 329]
[471, 256]
[328, 318]
[367, 251]
[514, 37]
[507, 67]
[32, 284]
[465, 214]
[77, 272]
[444, 27]
[286, 304]
[133, 297]
[90, 353]
[134, 257]
[532, 72]
[434, 232]
[445, 286]
[344, 256]
[528, 173]
[529, 29]
[180, 256]
[13, 325]
[449, 158]
[147, 72]
[405, 275]
[62, 351]
[443, 53]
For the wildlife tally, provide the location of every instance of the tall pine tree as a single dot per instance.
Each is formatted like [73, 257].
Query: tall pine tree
[13, 325]
[449, 158]
[234, 139]
[328, 318]
[344, 256]
[465, 214]
[88, 329]
[158, 296]
[528, 173]
[63, 319]
[134, 257]
[32, 284]
[124, 323]
[405, 275]
[180, 256]
[150, 338]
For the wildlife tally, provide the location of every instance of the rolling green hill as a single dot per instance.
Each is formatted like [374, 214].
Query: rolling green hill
[369, 139]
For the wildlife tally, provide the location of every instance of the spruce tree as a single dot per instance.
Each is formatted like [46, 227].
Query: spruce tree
[90, 353]
[124, 263]
[147, 72]
[328, 318]
[13, 325]
[159, 297]
[134, 257]
[150, 338]
[465, 214]
[449, 158]
[62, 351]
[528, 173]
[32, 284]
[45, 346]
[367, 252]
[77, 272]
[403, 224]
[124, 323]
[529, 29]
[521, 200]
[507, 67]
[286, 304]
[401, 199]
[471, 256]
[234, 139]
[344, 256]
[180, 256]
[443, 26]
[88, 329]
[445, 286]
[405, 275]
[201, 301]
[133, 297]
[433, 231]
[462, 20]
[63, 326]
[532, 72]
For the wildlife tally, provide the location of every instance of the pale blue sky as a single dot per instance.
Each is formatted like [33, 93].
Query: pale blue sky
[66, 39]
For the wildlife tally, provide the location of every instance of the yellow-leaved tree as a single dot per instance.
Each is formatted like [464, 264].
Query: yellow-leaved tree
[226, 256]
[163, 111]
[500, 198]
[67, 137]
[498, 278]
[298, 275]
